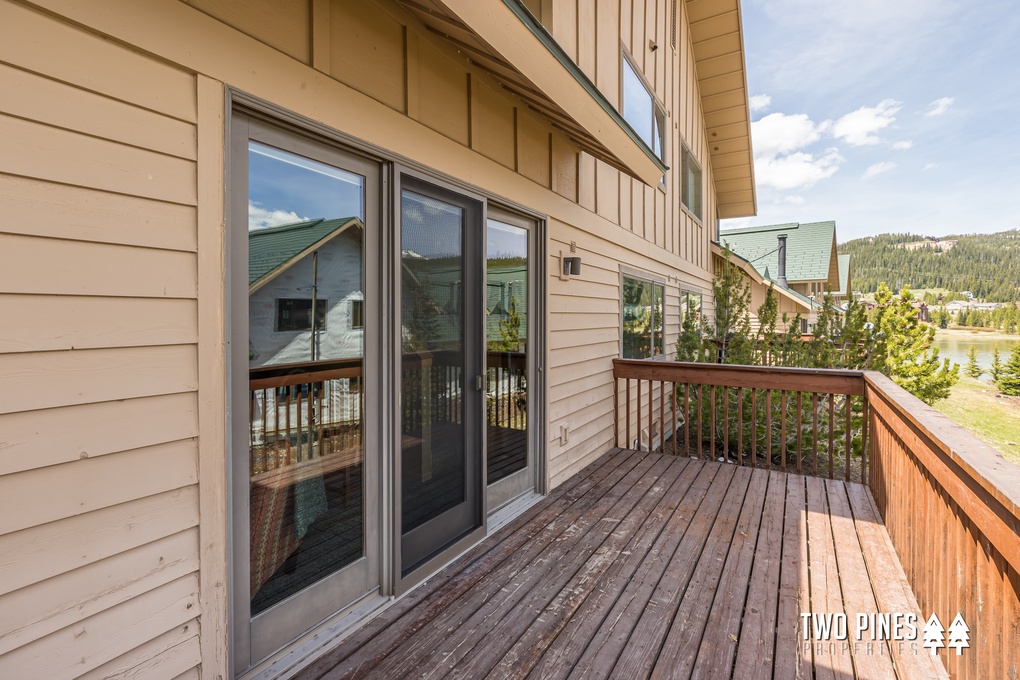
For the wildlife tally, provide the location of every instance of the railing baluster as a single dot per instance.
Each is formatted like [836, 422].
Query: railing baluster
[832, 434]
[740, 425]
[768, 429]
[662, 416]
[672, 392]
[616, 411]
[800, 428]
[814, 430]
[782, 429]
[265, 437]
[711, 435]
[701, 413]
[849, 435]
[687, 419]
[627, 443]
[726, 424]
[638, 445]
[651, 410]
[300, 447]
[865, 432]
[311, 422]
[754, 427]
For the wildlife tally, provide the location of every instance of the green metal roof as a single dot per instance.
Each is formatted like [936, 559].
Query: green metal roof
[809, 248]
[274, 249]
[844, 275]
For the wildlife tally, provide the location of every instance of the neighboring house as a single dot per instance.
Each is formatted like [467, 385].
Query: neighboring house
[790, 303]
[287, 266]
[811, 266]
[184, 495]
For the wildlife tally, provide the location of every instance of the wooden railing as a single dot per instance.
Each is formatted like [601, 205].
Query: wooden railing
[301, 412]
[803, 420]
[950, 503]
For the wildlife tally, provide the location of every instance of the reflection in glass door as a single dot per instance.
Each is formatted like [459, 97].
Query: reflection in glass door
[509, 470]
[441, 344]
[309, 530]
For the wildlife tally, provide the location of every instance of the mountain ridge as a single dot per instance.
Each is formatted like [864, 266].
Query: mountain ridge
[987, 265]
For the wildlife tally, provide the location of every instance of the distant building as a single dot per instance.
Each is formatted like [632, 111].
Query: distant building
[811, 267]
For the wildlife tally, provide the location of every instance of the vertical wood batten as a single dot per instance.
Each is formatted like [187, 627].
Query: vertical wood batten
[213, 577]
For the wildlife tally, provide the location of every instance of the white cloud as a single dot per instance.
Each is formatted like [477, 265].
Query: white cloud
[930, 166]
[760, 102]
[779, 159]
[778, 133]
[859, 127]
[260, 218]
[939, 106]
[796, 170]
[878, 169]
[794, 200]
[903, 145]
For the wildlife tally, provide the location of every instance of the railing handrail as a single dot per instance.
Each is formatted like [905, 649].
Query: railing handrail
[822, 380]
[961, 463]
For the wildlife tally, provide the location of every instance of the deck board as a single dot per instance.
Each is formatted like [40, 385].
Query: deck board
[645, 565]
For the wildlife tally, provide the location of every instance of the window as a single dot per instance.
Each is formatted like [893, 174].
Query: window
[641, 111]
[690, 311]
[642, 318]
[296, 315]
[691, 190]
[357, 313]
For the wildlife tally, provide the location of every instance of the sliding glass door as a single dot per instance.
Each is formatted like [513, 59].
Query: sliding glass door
[509, 358]
[305, 466]
[441, 376]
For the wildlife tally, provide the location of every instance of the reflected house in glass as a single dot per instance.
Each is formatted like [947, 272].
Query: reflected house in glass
[286, 265]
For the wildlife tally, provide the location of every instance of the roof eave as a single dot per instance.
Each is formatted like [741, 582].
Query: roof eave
[716, 32]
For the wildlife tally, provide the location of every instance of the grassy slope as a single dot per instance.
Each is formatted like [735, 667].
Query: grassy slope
[996, 421]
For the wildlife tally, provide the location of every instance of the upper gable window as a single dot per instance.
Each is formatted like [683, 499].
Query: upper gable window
[691, 191]
[641, 111]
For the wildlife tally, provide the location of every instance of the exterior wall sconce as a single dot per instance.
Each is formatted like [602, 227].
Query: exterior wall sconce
[569, 266]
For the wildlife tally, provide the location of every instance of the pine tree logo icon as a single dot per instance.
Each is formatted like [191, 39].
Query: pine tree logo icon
[933, 634]
[959, 634]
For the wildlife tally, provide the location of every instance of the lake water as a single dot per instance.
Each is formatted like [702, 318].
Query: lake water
[956, 346]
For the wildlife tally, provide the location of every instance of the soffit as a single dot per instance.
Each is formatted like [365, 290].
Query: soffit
[717, 41]
[495, 39]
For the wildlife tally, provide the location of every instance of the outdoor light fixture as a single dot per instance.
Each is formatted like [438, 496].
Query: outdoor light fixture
[571, 266]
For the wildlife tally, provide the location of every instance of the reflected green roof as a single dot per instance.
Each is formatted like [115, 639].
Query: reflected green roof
[274, 249]
[809, 248]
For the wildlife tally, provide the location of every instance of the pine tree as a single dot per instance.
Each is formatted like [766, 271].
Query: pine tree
[732, 329]
[903, 349]
[688, 345]
[972, 369]
[996, 369]
[768, 315]
[1009, 379]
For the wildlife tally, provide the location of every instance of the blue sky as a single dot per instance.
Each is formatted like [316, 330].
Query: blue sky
[885, 115]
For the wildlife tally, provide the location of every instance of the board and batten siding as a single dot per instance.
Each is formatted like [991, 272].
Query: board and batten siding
[99, 538]
[111, 286]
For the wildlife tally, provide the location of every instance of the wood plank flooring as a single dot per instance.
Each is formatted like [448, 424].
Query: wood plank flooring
[648, 565]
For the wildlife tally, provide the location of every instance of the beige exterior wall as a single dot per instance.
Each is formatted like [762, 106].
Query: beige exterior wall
[113, 551]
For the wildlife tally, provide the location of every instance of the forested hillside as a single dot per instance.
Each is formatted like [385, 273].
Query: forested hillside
[988, 265]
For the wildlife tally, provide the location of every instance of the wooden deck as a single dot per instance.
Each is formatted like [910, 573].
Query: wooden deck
[646, 565]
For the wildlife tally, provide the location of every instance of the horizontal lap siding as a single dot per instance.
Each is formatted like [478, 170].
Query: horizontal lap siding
[584, 338]
[99, 421]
